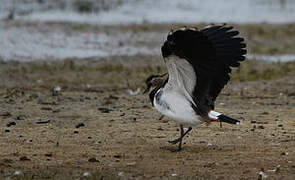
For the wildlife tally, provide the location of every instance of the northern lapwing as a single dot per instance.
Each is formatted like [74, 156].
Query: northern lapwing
[199, 63]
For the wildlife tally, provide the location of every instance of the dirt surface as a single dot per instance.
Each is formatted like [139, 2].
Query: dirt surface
[103, 131]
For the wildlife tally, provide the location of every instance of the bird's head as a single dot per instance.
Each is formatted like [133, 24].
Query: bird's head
[154, 81]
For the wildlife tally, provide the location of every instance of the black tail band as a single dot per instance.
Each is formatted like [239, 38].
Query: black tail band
[227, 119]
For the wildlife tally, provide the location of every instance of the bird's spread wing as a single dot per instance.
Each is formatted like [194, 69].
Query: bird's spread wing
[204, 61]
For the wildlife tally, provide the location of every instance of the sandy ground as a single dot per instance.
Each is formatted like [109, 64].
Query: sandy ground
[105, 131]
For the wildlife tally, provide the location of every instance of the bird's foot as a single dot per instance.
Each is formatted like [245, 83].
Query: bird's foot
[175, 141]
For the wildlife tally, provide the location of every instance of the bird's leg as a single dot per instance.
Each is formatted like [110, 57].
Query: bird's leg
[182, 134]
[220, 124]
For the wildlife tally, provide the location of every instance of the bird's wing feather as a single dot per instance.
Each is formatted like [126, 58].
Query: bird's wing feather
[182, 76]
[211, 53]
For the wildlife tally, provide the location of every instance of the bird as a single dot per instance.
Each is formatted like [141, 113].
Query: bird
[199, 63]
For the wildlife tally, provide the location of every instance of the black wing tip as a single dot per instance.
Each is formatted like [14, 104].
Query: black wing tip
[226, 119]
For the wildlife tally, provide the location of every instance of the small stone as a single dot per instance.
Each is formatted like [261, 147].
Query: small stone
[43, 122]
[24, 158]
[46, 108]
[160, 129]
[80, 125]
[93, 160]
[48, 155]
[87, 174]
[20, 117]
[56, 90]
[11, 124]
[284, 153]
[88, 98]
[117, 156]
[121, 174]
[76, 132]
[260, 127]
[105, 110]
[17, 173]
[280, 125]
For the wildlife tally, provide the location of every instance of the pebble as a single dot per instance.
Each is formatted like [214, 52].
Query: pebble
[117, 156]
[11, 124]
[93, 160]
[284, 153]
[76, 132]
[24, 158]
[43, 122]
[80, 125]
[17, 173]
[160, 129]
[87, 174]
[56, 90]
[261, 127]
[105, 110]
[20, 117]
[48, 155]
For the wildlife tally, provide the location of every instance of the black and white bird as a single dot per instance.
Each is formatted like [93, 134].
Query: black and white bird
[199, 63]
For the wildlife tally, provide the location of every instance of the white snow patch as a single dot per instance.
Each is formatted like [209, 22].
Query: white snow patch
[180, 11]
[272, 58]
[31, 43]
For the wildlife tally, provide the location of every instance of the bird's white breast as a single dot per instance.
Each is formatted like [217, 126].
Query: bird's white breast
[176, 106]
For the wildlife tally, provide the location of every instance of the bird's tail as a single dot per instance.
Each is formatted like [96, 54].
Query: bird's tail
[222, 118]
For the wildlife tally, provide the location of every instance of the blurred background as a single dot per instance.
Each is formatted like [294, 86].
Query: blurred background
[61, 29]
